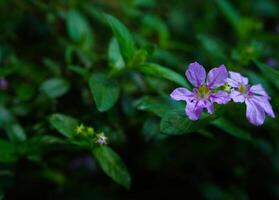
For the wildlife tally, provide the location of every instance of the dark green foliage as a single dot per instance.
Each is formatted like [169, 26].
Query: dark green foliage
[112, 164]
[108, 67]
[104, 90]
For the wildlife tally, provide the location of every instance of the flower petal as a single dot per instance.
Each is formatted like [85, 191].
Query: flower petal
[209, 107]
[237, 96]
[264, 103]
[193, 111]
[258, 89]
[233, 83]
[254, 112]
[196, 74]
[181, 94]
[217, 77]
[237, 77]
[220, 97]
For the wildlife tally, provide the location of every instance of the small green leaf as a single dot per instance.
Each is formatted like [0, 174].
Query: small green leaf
[5, 116]
[15, 132]
[176, 122]
[231, 129]
[64, 124]
[104, 90]
[55, 87]
[79, 29]
[112, 165]
[114, 55]
[123, 37]
[7, 152]
[163, 72]
[157, 105]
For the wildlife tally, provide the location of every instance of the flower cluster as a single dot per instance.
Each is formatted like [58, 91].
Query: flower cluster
[89, 132]
[220, 86]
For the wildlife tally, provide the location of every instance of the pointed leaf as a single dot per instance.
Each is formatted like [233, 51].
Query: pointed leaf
[163, 72]
[157, 105]
[123, 37]
[79, 29]
[104, 90]
[114, 55]
[55, 87]
[112, 165]
[64, 124]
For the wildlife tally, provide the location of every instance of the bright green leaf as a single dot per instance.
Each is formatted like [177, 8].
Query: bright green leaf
[163, 72]
[55, 87]
[5, 116]
[112, 165]
[104, 90]
[114, 55]
[79, 29]
[123, 36]
[64, 124]
[15, 132]
[157, 105]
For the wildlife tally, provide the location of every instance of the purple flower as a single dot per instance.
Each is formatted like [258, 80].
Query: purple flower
[203, 94]
[3, 84]
[255, 98]
[272, 62]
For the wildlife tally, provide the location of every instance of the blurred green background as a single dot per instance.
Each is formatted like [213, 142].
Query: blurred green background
[57, 56]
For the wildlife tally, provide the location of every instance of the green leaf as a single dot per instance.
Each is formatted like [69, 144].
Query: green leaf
[79, 29]
[157, 105]
[5, 116]
[176, 122]
[271, 74]
[15, 132]
[231, 129]
[112, 165]
[64, 124]
[116, 60]
[55, 87]
[104, 90]
[163, 72]
[7, 152]
[123, 37]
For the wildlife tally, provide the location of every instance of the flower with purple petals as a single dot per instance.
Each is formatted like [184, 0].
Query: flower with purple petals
[272, 62]
[203, 94]
[3, 84]
[255, 98]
